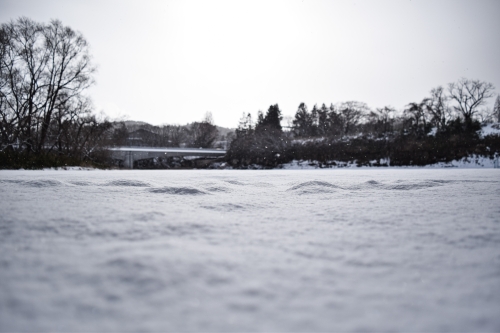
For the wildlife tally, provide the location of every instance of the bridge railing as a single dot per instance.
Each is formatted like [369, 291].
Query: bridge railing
[131, 154]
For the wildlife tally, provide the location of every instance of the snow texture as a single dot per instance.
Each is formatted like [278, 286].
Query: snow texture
[230, 250]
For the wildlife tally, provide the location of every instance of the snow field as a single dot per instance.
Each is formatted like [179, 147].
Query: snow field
[232, 250]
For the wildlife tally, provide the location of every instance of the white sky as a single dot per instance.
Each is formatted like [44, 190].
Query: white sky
[171, 61]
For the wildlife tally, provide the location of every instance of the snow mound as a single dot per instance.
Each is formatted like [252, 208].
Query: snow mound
[80, 183]
[128, 182]
[412, 186]
[178, 190]
[218, 189]
[235, 182]
[40, 183]
[316, 186]
[313, 187]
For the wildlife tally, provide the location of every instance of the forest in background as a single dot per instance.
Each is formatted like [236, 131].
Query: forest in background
[443, 127]
[47, 120]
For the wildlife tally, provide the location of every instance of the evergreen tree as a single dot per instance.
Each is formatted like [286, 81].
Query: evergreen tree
[302, 123]
[313, 131]
[323, 120]
[271, 122]
[245, 126]
[260, 118]
[335, 123]
[273, 118]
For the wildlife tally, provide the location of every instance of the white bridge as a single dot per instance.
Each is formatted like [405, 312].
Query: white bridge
[130, 154]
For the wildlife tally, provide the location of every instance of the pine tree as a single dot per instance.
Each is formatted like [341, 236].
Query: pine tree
[323, 120]
[245, 126]
[273, 117]
[302, 122]
[335, 122]
[313, 131]
[260, 118]
[271, 122]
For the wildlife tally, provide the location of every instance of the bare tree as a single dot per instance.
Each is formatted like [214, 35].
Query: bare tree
[176, 135]
[120, 134]
[24, 59]
[469, 96]
[486, 116]
[437, 106]
[382, 120]
[44, 68]
[416, 116]
[351, 113]
[4, 138]
[496, 109]
[69, 70]
[204, 133]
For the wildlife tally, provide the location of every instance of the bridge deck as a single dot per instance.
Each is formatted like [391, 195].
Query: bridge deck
[131, 154]
[171, 150]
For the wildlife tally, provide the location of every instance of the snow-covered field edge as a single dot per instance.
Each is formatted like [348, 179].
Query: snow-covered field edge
[470, 162]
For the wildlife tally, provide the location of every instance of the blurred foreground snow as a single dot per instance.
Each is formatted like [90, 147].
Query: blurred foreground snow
[277, 250]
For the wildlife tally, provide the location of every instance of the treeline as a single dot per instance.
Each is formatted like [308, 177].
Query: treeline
[200, 134]
[440, 128]
[45, 117]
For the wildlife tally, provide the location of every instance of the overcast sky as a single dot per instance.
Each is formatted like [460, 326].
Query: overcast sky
[171, 61]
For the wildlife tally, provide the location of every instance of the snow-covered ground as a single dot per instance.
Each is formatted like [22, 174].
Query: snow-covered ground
[471, 162]
[231, 250]
[490, 129]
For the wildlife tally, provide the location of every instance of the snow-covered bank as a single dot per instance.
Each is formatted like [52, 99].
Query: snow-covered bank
[490, 129]
[72, 168]
[472, 162]
[270, 250]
